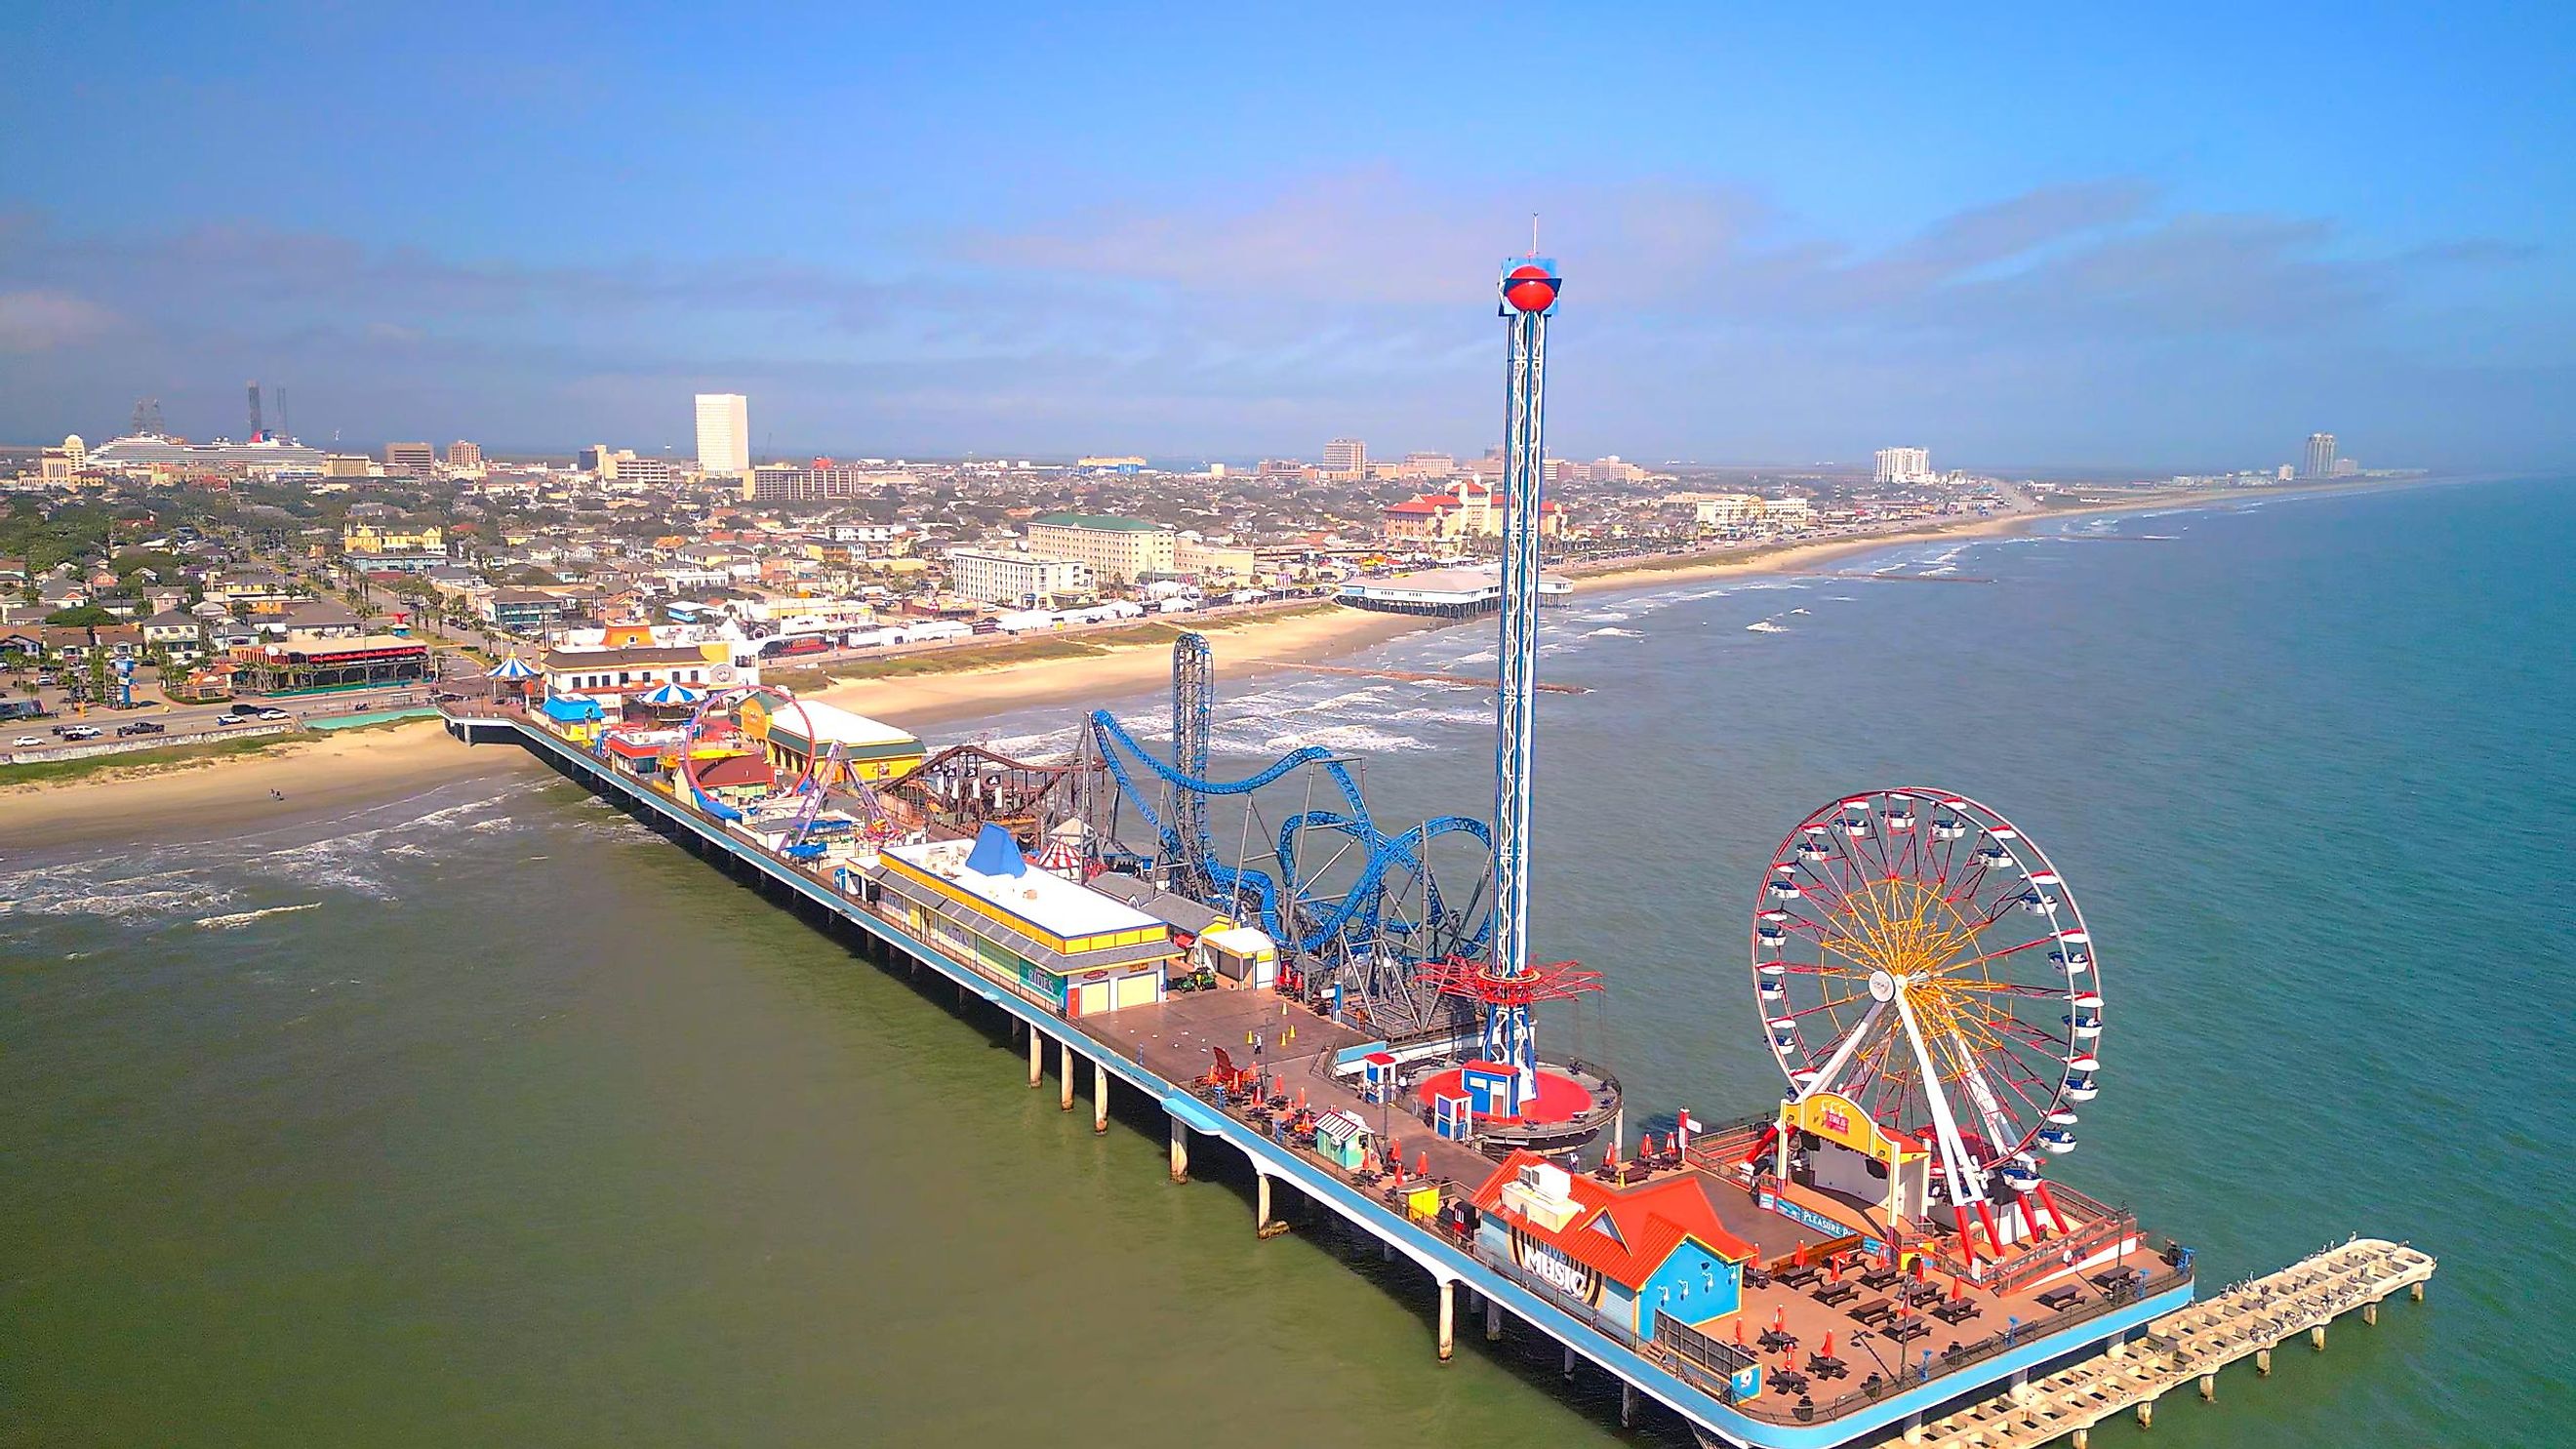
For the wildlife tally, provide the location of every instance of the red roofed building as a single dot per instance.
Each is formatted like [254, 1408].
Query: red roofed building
[1467, 509]
[1628, 1253]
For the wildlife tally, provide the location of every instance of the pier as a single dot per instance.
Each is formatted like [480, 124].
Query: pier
[2250, 1320]
[1420, 1205]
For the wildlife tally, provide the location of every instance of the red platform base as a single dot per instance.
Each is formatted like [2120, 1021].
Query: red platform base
[1560, 1098]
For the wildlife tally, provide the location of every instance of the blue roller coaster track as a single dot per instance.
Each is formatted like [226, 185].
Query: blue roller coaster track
[1360, 919]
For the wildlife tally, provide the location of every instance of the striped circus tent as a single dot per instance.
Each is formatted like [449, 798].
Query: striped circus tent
[670, 694]
[513, 670]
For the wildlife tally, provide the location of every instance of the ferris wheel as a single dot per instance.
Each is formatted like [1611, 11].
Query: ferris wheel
[1916, 955]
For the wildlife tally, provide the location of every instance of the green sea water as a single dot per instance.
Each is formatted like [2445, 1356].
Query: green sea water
[487, 1116]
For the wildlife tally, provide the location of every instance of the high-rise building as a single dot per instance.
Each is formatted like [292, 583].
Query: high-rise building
[724, 433]
[646, 472]
[2320, 460]
[1904, 465]
[418, 459]
[1119, 550]
[462, 454]
[1346, 457]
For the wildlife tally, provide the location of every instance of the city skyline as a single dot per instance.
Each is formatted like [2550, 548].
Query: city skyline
[1792, 266]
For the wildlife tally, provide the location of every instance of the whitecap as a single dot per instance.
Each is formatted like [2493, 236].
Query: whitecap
[240, 919]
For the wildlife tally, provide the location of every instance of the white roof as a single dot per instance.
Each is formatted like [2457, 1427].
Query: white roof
[830, 723]
[1051, 903]
[1240, 941]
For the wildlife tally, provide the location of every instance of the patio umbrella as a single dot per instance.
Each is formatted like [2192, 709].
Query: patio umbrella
[1802, 1255]
[1739, 1331]
[1958, 1288]
[1918, 1267]
[1828, 1350]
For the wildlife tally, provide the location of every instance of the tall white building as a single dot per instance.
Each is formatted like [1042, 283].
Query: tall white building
[1346, 457]
[1904, 465]
[2320, 460]
[1018, 580]
[724, 433]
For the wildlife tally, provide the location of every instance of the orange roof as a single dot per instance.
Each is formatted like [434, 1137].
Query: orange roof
[1651, 1220]
[1418, 505]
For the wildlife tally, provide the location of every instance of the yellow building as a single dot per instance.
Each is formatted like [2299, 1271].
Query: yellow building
[395, 538]
[793, 733]
[1081, 952]
[1119, 550]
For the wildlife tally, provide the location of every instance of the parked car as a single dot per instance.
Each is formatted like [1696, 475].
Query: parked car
[143, 727]
[230, 719]
[28, 742]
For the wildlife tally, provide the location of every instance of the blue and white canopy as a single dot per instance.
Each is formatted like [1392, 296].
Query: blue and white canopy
[670, 692]
[514, 669]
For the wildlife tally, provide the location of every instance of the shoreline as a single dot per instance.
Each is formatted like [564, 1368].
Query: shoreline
[349, 769]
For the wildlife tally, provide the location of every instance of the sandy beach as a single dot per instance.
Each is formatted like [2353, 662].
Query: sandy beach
[208, 796]
[376, 763]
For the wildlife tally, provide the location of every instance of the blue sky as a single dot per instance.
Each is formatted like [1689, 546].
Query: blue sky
[2174, 237]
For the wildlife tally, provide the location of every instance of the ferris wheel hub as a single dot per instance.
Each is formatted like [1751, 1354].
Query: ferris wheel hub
[1883, 984]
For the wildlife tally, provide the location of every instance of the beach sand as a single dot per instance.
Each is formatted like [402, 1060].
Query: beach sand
[375, 764]
[206, 797]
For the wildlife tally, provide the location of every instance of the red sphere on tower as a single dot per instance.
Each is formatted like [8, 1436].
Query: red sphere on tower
[1530, 288]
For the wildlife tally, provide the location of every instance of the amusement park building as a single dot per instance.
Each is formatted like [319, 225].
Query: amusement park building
[1119, 550]
[1077, 949]
[794, 734]
[1648, 1257]
[620, 671]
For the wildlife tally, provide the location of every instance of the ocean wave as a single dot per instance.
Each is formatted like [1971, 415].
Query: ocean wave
[1614, 634]
[239, 919]
[1356, 739]
[1605, 616]
[1764, 626]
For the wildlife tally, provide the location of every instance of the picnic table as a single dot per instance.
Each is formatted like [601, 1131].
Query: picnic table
[1908, 1331]
[2059, 1299]
[1879, 1278]
[1834, 1295]
[1799, 1276]
[1827, 1368]
[1957, 1311]
[1774, 1341]
[1922, 1293]
[1757, 1277]
[1874, 1310]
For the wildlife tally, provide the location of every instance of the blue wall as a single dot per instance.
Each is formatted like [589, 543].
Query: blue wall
[1681, 1287]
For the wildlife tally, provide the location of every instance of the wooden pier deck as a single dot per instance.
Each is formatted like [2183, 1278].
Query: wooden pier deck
[2249, 1320]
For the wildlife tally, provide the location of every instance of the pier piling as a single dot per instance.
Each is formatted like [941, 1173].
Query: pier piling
[1064, 1063]
[1261, 1202]
[1037, 1056]
[2209, 1388]
[1627, 1405]
[1448, 1317]
[2263, 1362]
[2370, 1313]
[1180, 1151]
[1100, 1096]
[1493, 1321]
[1568, 1372]
[2146, 1413]
[2317, 1338]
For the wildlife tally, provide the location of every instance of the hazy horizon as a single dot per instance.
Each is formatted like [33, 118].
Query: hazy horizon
[2167, 242]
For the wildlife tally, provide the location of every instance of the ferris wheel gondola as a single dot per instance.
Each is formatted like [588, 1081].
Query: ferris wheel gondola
[1916, 954]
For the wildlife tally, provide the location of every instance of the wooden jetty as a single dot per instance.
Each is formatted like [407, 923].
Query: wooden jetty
[2249, 1320]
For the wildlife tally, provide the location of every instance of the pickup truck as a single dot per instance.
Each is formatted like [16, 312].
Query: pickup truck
[142, 727]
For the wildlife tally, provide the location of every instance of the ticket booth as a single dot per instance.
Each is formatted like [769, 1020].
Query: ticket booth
[1342, 1139]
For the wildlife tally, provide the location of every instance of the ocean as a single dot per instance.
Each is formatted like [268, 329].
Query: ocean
[485, 1115]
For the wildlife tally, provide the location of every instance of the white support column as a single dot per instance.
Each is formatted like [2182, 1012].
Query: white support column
[1260, 1201]
[1448, 1317]
[1100, 1096]
[1064, 1063]
[1037, 1056]
[1180, 1150]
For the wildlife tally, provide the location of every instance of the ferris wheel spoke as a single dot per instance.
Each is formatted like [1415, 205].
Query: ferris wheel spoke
[1962, 965]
